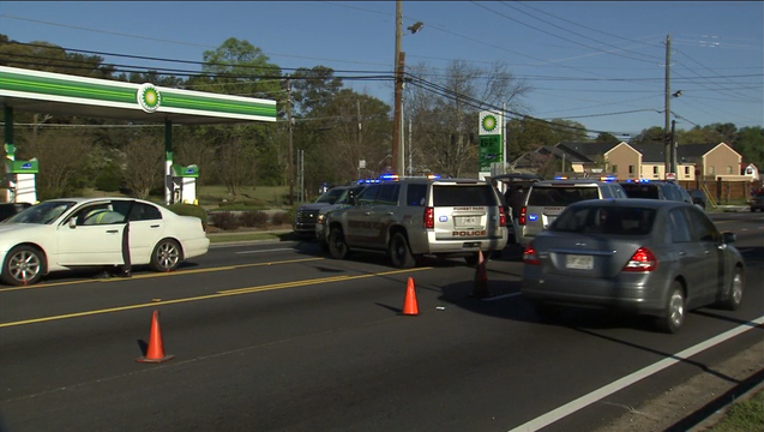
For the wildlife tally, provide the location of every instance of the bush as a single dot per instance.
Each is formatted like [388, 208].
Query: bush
[254, 218]
[190, 210]
[109, 180]
[225, 220]
[281, 218]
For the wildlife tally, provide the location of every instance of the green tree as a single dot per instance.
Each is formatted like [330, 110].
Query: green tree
[607, 138]
[313, 89]
[749, 141]
[652, 135]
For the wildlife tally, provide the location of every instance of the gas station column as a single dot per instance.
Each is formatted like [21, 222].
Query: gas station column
[168, 182]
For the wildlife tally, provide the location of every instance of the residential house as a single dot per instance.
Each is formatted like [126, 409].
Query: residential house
[752, 171]
[632, 161]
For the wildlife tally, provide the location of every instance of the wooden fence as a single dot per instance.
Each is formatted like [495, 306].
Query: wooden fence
[723, 191]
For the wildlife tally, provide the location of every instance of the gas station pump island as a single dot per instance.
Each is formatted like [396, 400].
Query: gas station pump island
[69, 95]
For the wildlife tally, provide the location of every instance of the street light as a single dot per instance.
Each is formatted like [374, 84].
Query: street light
[416, 27]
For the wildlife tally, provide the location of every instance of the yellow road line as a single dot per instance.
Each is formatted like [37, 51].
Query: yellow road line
[219, 294]
[156, 275]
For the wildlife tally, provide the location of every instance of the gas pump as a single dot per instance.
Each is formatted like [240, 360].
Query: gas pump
[20, 175]
[184, 184]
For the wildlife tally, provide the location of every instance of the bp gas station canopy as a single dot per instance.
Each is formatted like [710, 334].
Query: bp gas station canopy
[69, 95]
[54, 93]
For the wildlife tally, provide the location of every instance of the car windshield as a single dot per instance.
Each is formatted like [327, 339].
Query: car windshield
[606, 220]
[330, 196]
[560, 196]
[641, 191]
[43, 213]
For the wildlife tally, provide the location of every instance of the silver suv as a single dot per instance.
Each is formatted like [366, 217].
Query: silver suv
[409, 218]
[547, 199]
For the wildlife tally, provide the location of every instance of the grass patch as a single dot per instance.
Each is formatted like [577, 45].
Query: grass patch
[251, 196]
[743, 416]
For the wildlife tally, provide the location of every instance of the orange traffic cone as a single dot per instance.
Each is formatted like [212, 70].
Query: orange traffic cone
[480, 287]
[409, 302]
[155, 352]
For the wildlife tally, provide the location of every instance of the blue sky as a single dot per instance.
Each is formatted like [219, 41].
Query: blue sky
[587, 61]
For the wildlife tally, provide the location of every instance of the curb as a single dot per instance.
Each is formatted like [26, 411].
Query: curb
[716, 410]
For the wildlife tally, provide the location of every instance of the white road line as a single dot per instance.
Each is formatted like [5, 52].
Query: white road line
[620, 384]
[265, 250]
[502, 296]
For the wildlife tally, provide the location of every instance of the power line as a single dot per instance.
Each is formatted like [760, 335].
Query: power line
[710, 70]
[478, 104]
[615, 113]
[558, 36]
[180, 72]
[583, 26]
[168, 60]
[651, 57]
[179, 42]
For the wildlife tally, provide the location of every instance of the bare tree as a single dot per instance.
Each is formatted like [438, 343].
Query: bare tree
[143, 165]
[61, 155]
[445, 107]
[236, 163]
[194, 150]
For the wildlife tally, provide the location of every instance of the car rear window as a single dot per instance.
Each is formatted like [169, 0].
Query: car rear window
[468, 195]
[606, 220]
[641, 191]
[560, 196]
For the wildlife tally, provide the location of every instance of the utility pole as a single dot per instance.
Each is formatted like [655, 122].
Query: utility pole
[674, 166]
[398, 65]
[358, 133]
[666, 138]
[290, 151]
[504, 138]
[411, 148]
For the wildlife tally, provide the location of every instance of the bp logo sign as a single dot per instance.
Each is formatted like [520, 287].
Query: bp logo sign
[148, 97]
[489, 123]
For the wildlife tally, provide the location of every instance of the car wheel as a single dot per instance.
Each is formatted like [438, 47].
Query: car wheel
[166, 256]
[736, 291]
[400, 254]
[323, 245]
[675, 311]
[547, 313]
[338, 249]
[24, 265]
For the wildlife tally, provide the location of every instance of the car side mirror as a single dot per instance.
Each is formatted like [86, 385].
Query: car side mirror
[73, 223]
[351, 198]
[728, 237]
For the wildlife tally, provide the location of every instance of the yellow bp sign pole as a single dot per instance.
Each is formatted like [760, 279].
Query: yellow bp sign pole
[491, 141]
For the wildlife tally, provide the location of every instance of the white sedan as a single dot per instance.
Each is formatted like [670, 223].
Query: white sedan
[63, 234]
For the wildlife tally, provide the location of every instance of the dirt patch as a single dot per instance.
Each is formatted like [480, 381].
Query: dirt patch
[679, 402]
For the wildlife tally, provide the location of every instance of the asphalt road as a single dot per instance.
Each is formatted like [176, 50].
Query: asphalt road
[274, 337]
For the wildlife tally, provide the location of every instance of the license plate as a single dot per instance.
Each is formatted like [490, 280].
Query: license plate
[469, 220]
[579, 262]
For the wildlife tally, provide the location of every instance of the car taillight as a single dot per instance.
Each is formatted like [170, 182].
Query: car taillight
[429, 217]
[521, 220]
[529, 255]
[502, 217]
[642, 261]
